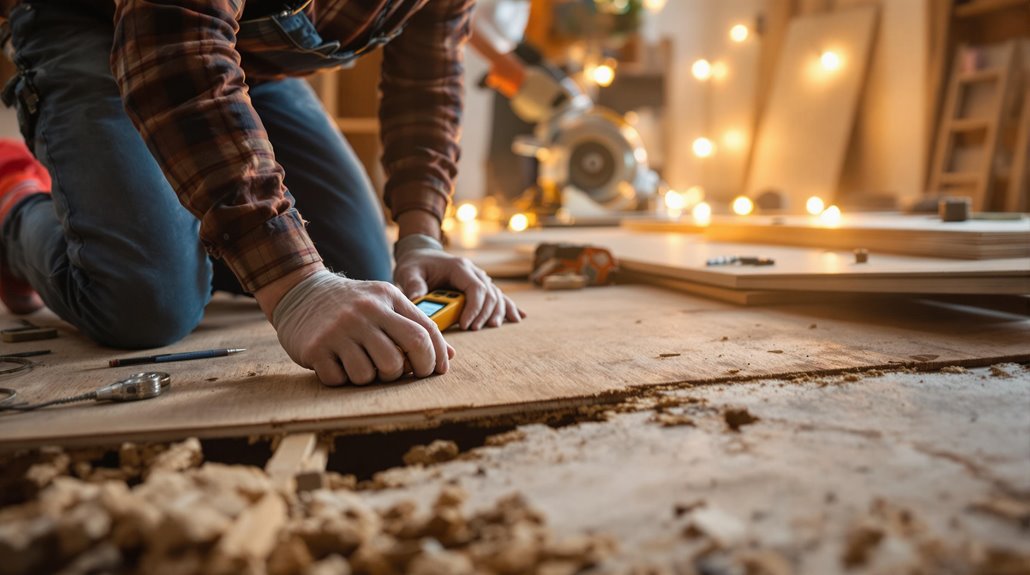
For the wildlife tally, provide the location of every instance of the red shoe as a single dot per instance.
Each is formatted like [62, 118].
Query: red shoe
[20, 177]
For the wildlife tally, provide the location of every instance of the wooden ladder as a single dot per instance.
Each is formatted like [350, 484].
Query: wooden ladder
[977, 182]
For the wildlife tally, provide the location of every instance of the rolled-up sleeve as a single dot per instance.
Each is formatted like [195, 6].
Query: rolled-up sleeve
[420, 114]
[179, 74]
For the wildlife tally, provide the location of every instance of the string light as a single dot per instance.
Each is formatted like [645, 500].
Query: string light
[518, 223]
[815, 205]
[830, 216]
[702, 214]
[467, 212]
[702, 69]
[830, 61]
[743, 206]
[703, 147]
[739, 33]
[675, 201]
[693, 195]
[604, 74]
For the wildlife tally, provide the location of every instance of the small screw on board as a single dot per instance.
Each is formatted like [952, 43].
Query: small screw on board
[861, 256]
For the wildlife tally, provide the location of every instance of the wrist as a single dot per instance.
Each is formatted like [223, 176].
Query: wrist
[418, 222]
[268, 296]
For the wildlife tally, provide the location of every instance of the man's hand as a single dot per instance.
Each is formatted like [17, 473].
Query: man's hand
[356, 331]
[422, 266]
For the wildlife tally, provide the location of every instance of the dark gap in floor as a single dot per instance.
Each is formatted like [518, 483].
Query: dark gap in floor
[237, 451]
[365, 455]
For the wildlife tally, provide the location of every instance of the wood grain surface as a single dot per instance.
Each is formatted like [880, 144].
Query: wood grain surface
[684, 257]
[573, 347]
[807, 123]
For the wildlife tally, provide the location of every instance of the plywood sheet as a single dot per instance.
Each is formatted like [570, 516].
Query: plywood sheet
[684, 257]
[888, 233]
[572, 347]
[807, 123]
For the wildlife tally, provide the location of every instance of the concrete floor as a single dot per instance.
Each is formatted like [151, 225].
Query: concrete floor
[891, 473]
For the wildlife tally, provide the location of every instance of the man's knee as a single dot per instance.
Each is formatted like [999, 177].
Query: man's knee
[149, 312]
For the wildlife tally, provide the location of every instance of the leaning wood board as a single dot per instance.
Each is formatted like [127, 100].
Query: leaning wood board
[683, 257]
[888, 233]
[806, 127]
[573, 347]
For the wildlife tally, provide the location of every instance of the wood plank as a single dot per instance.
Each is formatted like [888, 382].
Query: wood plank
[807, 124]
[685, 257]
[896, 234]
[572, 349]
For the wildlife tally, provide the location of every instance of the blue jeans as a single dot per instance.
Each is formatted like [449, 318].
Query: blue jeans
[112, 251]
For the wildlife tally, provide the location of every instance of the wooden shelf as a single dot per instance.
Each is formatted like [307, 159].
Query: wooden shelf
[980, 7]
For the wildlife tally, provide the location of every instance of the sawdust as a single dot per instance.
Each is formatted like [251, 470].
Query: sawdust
[860, 544]
[737, 417]
[505, 438]
[438, 451]
[852, 377]
[673, 420]
[954, 369]
[998, 371]
[1007, 508]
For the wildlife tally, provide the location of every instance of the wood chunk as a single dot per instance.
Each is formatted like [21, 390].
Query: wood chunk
[738, 417]
[766, 562]
[438, 451]
[666, 419]
[505, 438]
[713, 523]
[1006, 508]
[178, 457]
[860, 544]
[441, 563]
[998, 371]
[954, 369]
[331, 565]
[289, 557]
[253, 535]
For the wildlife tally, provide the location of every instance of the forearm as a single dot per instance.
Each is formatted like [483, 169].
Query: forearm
[183, 88]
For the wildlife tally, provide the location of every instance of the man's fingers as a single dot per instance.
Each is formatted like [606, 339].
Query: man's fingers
[497, 315]
[417, 340]
[389, 360]
[356, 363]
[412, 283]
[450, 352]
[489, 301]
[329, 371]
[465, 279]
[512, 311]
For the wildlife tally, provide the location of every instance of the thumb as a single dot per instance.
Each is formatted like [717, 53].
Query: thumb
[412, 284]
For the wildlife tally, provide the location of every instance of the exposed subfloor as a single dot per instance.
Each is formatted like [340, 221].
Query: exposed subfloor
[900, 472]
[876, 473]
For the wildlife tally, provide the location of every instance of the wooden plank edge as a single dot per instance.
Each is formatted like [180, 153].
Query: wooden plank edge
[496, 415]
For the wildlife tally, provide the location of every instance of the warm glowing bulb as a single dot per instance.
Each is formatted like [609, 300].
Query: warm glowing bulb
[654, 5]
[739, 33]
[467, 212]
[518, 223]
[603, 75]
[702, 69]
[743, 206]
[675, 201]
[830, 216]
[703, 147]
[702, 214]
[830, 61]
[693, 195]
[815, 205]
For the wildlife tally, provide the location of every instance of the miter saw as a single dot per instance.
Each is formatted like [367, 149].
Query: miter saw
[591, 161]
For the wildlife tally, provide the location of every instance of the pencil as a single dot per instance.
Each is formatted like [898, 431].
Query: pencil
[166, 357]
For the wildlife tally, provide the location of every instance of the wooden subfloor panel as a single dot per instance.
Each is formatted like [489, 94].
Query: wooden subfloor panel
[573, 346]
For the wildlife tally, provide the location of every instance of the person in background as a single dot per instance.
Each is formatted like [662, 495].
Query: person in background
[174, 151]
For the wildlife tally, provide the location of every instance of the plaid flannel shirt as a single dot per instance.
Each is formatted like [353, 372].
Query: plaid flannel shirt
[180, 68]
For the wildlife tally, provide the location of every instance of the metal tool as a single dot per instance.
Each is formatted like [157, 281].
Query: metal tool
[133, 388]
[741, 260]
[167, 357]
